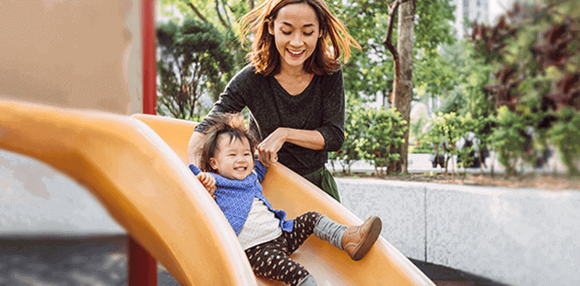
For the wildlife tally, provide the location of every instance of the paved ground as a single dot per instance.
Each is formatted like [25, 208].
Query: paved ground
[102, 261]
[97, 261]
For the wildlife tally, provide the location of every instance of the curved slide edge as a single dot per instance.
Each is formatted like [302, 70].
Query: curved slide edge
[383, 265]
[140, 181]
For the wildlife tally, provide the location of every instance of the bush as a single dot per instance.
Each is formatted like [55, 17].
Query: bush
[446, 130]
[510, 139]
[533, 50]
[566, 135]
[370, 135]
[348, 154]
[381, 132]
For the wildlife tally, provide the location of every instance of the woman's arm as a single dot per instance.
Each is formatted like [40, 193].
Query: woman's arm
[329, 136]
[269, 148]
[194, 148]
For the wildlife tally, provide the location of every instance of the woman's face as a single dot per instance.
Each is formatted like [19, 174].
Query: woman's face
[296, 32]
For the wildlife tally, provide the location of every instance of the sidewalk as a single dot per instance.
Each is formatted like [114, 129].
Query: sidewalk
[44, 261]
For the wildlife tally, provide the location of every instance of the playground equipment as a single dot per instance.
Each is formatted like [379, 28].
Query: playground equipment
[135, 166]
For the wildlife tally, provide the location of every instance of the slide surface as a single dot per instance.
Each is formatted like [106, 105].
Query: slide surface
[142, 183]
[135, 166]
[383, 265]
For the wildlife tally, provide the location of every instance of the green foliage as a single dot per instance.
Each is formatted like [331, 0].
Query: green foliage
[443, 134]
[510, 139]
[533, 55]
[566, 135]
[445, 130]
[424, 147]
[371, 71]
[370, 135]
[380, 133]
[349, 154]
[223, 15]
[192, 61]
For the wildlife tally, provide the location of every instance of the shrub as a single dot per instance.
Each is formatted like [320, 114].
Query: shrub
[381, 132]
[536, 86]
[370, 135]
[349, 154]
[566, 135]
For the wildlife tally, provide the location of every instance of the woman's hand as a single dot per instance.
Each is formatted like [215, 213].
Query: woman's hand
[268, 149]
[208, 181]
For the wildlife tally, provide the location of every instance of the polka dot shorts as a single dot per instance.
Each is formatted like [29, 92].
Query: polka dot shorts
[271, 259]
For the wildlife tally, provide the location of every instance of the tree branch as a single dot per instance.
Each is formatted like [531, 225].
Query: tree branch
[217, 9]
[199, 15]
[389, 38]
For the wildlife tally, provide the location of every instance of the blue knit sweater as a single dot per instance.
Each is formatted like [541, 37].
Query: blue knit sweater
[235, 197]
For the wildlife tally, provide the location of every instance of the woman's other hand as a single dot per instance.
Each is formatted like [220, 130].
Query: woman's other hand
[268, 149]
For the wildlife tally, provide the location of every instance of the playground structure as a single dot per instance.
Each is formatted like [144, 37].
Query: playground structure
[141, 178]
[135, 165]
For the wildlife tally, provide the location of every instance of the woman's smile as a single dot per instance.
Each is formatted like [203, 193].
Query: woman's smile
[296, 53]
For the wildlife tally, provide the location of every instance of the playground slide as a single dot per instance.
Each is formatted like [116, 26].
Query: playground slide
[383, 265]
[147, 189]
[140, 181]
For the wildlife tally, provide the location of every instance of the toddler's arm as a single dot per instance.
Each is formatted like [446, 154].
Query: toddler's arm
[208, 181]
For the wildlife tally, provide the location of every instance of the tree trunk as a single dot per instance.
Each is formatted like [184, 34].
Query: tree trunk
[403, 86]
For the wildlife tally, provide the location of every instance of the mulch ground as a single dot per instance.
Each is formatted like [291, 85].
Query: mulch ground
[554, 182]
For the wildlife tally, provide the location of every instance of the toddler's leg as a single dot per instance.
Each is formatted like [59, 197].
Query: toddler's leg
[355, 240]
[303, 228]
[270, 260]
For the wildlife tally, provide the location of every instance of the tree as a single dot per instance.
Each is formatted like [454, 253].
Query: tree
[369, 72]
[192, 60]
[223, 14]
[434, 30]
[533, 51]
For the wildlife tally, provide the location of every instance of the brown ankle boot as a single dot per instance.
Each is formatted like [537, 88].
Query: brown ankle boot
[358, 240]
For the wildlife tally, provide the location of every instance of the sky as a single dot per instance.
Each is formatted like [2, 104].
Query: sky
[498, 7]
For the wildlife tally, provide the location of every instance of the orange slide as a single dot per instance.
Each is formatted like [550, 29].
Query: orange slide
[135, 166]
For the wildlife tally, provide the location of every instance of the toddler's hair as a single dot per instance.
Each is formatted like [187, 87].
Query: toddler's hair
[231, 124]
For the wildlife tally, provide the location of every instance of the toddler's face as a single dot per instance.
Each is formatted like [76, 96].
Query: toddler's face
[233, 159]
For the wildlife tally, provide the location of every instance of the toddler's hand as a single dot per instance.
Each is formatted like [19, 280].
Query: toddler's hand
[208, 181]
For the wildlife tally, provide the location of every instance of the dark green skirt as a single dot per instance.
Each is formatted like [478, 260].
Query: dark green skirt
[324, 180]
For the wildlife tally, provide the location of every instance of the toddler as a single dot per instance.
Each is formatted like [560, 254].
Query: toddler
[233, 177]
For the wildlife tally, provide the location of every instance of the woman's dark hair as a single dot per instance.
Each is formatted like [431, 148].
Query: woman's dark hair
[325, 59]
[231, 124]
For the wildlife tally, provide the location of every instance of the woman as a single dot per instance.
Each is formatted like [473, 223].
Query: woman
[293, 87]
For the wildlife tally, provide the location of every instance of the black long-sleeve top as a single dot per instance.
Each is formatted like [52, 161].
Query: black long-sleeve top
[321, 107]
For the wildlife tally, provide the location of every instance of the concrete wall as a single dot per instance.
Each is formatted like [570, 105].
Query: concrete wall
[67, 53]
[35, 200]
[513, 236]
